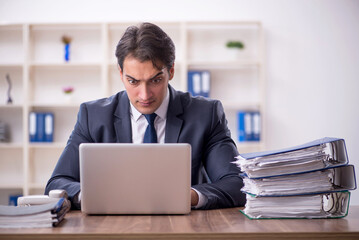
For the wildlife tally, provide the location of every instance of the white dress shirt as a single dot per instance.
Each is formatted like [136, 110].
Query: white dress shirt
[139, 122]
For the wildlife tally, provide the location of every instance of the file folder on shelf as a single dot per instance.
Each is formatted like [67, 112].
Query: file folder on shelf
[329, 180]
[327, 205]
[316, 155]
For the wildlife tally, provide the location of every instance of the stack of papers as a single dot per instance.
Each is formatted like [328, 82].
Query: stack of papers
[37, 216]
[294, 182]
[311, 206]
[319, 181]
[286, 162]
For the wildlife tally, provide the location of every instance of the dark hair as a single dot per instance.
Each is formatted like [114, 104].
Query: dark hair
[147, 42]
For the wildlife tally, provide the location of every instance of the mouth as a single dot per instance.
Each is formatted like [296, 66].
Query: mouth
[146, 103]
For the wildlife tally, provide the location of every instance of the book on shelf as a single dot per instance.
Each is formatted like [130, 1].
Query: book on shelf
[307, 181]
[199, 83]
[41, 126]
[249, 126]
[34, 216]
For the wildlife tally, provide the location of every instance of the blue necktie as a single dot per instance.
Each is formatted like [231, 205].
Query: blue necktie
[150, 134]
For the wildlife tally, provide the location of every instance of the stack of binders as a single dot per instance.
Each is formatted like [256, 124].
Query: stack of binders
[199, 83]
[34, 216]
[41, 127]
[307, 181]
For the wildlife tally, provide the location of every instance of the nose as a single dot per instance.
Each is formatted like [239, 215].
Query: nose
[145, 92]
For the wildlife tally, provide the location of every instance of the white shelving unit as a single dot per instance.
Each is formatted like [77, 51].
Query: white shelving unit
[33, 56]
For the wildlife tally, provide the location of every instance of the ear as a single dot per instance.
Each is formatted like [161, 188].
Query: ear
[121, 72]
[172, 72]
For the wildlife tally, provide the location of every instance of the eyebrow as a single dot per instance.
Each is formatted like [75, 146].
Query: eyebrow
[149, 79]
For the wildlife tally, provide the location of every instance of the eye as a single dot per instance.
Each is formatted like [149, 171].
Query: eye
[157, 80]
[132, 81]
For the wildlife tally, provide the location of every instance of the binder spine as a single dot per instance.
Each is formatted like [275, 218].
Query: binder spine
[32, 127]
[199, 83]
[49, 127]
[249, 126]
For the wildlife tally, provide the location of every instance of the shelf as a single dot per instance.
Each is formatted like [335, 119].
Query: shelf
[47, 145]
[55, 106]
[223, 26]
[232, 106]
[11, 106]
[113, 65]
[33, 55]
[246, 147]
[66, 65]
[11, 65]
[223, 65]
[11, 46]
[11, 145]
[247, 144]
[37, 186]
[11, 186]
[78, 27]
[46, 43]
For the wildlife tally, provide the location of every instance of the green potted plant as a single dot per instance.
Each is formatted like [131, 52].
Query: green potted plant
[237, 46]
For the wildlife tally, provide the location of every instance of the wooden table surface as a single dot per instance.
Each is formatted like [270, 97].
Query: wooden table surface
[211, 224]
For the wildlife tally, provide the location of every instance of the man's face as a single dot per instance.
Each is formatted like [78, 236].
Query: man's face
[146, 86]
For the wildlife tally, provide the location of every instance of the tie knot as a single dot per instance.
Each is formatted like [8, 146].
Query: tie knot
[150, 118]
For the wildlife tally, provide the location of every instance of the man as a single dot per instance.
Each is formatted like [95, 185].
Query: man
[146, 58]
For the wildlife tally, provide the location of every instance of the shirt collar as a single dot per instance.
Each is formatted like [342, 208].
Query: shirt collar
[161, 111]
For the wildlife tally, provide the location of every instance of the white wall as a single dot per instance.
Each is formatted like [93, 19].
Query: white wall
[312, 55]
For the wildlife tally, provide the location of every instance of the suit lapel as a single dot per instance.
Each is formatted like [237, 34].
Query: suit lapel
[173, 123]
[122, 122]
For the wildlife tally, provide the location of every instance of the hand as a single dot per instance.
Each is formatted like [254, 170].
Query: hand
[194, 198]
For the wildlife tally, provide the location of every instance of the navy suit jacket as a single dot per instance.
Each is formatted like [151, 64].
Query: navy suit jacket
[195, 120]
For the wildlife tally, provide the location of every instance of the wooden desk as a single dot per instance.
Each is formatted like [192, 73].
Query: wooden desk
[213, 224]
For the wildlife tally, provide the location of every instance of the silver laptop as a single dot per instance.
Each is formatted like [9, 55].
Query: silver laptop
[135, 178]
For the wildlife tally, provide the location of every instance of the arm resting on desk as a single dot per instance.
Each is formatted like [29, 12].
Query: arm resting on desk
[66, 174]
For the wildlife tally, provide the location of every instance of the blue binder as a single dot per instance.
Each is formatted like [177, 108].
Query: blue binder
[256, 126]
[49, 127]
[32, 127]
[199, 83]
[245, 130]
[249, 126]
[205, 83]
[41, 126]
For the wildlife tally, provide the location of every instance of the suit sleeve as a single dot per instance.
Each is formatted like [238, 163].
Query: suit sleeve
[224, 189]
[66, 174]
